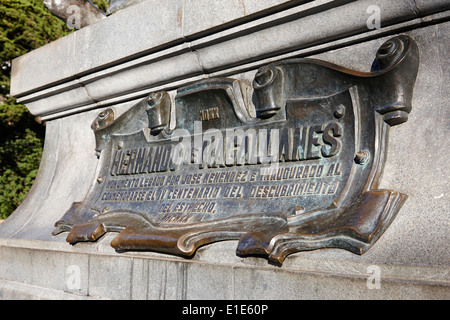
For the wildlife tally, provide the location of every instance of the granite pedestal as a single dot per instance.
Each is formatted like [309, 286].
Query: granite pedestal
[163, 45]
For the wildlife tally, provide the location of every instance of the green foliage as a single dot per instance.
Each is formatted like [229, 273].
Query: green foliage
[25, 25]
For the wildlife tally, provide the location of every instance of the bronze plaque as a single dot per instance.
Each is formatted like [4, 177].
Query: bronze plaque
[288, 163]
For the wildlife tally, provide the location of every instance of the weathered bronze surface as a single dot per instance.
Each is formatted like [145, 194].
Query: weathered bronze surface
[286, 164]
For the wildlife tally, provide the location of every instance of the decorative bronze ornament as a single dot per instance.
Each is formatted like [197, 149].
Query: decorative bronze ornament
[290, 163]
[78, 14]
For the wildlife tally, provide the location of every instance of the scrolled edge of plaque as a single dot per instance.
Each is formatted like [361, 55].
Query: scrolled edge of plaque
[289, 163]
